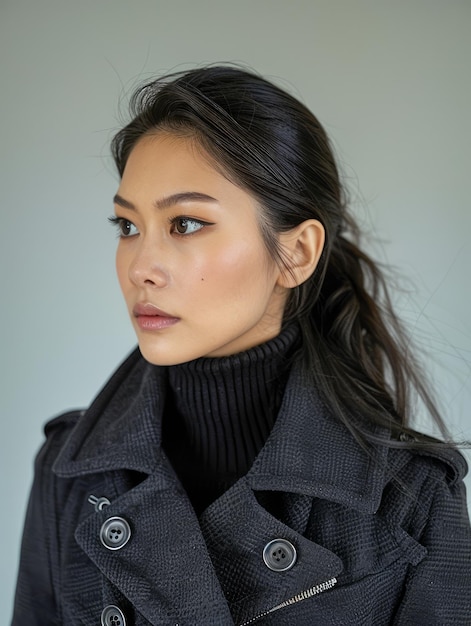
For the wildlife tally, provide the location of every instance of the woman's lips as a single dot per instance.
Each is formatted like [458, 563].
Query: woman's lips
[150, 317]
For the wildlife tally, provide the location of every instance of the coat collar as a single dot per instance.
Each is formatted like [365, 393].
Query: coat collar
[308, 451]
[311, 452]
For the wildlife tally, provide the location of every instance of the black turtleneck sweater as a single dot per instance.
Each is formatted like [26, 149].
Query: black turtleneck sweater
[220, 411]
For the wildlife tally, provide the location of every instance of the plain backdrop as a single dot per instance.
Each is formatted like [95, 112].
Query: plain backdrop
[389, 80]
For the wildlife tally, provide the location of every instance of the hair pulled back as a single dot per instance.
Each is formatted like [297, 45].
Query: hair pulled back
[270, 144]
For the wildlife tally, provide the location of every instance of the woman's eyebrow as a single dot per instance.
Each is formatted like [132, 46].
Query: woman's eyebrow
[168, 201]
[124, 203]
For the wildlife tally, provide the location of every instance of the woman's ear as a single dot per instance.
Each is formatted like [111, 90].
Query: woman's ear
[301, 248]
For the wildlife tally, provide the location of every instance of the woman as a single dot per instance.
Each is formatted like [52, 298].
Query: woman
[253, 461]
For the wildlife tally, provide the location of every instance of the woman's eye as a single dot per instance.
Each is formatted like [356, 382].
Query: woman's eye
[125, 227]
[186, 225]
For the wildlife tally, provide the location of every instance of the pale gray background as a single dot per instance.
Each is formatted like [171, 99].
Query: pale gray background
[389, 80]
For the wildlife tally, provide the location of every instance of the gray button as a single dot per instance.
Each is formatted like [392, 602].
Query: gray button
[112, 616]
[279, 555]
[115, 533]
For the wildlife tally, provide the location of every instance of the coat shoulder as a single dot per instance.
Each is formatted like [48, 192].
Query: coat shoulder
[57, 431]
[444, 461]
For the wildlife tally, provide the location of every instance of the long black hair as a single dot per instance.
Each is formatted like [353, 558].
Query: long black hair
[266, 141]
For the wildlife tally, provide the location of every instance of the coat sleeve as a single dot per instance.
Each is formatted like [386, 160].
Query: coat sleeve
[35, 599]
[438, 590]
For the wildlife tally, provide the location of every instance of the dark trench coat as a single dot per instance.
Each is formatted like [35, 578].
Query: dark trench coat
[111, 537]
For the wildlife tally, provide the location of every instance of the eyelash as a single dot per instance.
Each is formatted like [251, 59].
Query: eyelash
[174, 220]
[119, 221]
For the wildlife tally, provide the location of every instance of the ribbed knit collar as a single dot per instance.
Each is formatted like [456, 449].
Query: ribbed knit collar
[220, 411]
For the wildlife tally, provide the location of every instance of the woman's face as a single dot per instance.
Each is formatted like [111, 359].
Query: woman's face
[191, 262]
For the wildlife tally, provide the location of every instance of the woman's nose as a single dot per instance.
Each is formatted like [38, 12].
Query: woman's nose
[147, 269]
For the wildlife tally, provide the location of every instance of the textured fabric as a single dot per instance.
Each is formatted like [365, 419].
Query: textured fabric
[219, 412]
[384, 543]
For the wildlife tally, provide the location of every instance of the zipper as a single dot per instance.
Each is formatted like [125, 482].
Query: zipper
[304, 595]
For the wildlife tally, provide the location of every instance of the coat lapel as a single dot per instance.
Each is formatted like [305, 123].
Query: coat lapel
[173, 560]
[311, 452]
[122, 427]
[236, 530]
[164, 570]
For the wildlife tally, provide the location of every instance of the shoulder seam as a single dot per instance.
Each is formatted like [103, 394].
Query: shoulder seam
[454, 462]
